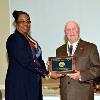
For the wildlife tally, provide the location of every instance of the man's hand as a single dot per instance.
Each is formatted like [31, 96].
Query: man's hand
[75, 76]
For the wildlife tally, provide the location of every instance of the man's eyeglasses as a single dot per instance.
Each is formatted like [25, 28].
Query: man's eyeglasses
[71, 30]
[24, 22]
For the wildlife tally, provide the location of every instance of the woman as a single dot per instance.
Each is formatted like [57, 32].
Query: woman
[25, 68]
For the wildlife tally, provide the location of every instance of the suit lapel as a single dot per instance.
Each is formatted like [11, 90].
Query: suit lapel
[80, 48]
[64, 50]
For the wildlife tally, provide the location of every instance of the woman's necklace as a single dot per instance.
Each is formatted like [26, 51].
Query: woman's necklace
[33, 41]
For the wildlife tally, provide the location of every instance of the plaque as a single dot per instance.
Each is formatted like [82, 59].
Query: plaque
[62, 65]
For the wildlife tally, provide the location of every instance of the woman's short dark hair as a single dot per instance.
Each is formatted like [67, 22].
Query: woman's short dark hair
[16, 14]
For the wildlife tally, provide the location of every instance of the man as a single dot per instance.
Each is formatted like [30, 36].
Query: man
[79, 85]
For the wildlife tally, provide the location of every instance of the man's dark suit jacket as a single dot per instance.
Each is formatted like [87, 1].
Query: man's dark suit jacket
[23, 79]
[88, 63]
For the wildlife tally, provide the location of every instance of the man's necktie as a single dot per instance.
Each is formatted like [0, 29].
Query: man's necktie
[70, 50]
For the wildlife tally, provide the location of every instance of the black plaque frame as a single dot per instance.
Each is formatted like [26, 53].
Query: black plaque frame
[62, 64]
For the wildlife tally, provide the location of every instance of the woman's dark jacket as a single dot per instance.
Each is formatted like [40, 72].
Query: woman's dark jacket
[23, 79]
